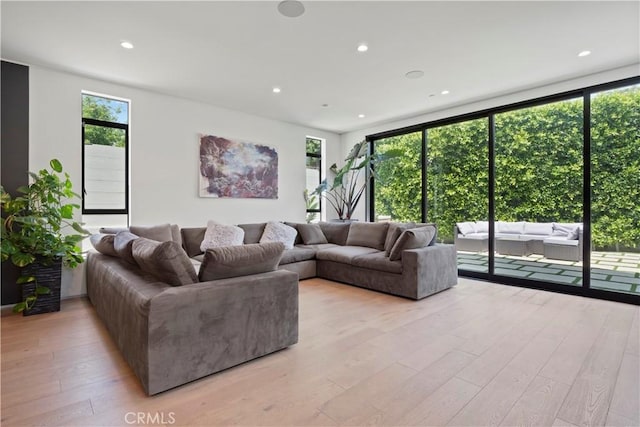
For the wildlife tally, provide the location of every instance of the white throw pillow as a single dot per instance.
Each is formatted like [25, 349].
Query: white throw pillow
[466, 227]
[279, 232]
[482, 226]
[218, 235]
[538, 228]
[507, 227]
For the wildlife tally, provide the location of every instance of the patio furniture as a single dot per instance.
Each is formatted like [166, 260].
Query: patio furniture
[567, 250]
[516, 245]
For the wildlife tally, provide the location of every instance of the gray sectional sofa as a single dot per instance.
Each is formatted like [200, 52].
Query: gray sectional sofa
[173, 326]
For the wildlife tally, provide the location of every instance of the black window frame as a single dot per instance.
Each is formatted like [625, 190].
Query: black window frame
[113, 125]
[319, 157]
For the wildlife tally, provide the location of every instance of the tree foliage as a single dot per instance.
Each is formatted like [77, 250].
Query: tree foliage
[100, 135]
[538, 169]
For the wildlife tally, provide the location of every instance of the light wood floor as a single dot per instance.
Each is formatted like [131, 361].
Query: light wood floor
[478, 354]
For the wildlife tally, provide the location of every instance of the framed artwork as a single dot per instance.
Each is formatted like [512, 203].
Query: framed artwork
[237, 169]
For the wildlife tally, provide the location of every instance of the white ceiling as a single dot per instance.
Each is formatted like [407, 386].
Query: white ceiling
[231, 54]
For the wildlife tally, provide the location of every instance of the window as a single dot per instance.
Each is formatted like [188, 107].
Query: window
[314, 178]
[105, 140]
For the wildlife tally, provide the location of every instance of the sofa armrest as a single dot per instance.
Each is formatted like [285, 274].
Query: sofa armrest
[202, 328]
[434, 268]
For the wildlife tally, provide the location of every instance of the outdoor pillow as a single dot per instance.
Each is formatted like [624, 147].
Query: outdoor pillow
[507, 227]
[166, 261]
[368, 234]
[218, 235]
[123, 243]
[413, 238]
[279, 232]
[482, 226]
[159, 233]
[466, 227]
[538, 228]
[103, 243]
[235, 261]
[311, 234]
[395, 230]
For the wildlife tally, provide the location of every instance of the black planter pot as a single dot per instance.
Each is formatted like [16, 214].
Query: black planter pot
[46, 275]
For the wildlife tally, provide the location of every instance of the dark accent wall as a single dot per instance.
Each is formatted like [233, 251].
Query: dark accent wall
[14, 129]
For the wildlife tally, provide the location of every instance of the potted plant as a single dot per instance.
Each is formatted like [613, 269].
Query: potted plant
[346, 187]
[34, 238]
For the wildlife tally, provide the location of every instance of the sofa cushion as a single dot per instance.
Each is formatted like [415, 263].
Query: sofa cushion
[394, 231]
[103, 243]
[506, 227]
[538, 228]
[175, 234]
[279, 232]
[432, 224]
[319, 247]
[482, 226]
[412, 239]
[159, 233]
[123, 243]
[344, 254]
[235, 261]
[311, 234]
[368, 234]
[166, 261]
[191, 239]
[336, 232]
[252, 232]
[298, 237]
[466, 227]
[560, 241]
[297, 254]
[378, 261]
[218, 235]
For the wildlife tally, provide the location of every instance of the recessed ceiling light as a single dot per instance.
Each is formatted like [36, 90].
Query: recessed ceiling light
[361, 116]
[584, 53]
[415, 74]
[290, 8]
[325, 105]
[431, 95]
[127, 45]
[276, 90]
[445, 92]
[362, 47]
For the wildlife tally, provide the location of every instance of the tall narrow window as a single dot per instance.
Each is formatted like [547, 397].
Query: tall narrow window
[314, 178]
[105, 140]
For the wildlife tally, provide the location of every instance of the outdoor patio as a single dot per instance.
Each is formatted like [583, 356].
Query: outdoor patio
[618, 271]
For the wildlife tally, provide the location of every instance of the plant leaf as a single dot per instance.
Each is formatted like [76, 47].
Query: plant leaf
[25, 279]
[22, 259]
[43, 290]
[19, 307]
[56, 165]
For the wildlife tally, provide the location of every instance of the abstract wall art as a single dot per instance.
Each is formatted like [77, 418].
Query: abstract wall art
[237, 169]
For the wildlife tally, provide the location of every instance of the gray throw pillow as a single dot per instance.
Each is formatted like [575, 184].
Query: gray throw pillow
[395, 230]
[192, 237]
[311, 234]
[413, 238]
[235, 261]
[295, 225]
[166, 261]
[368, 234]
[159, 233]
[103, 243]
[252, 232]
[335, 232]
[123, 243]
[430, 224]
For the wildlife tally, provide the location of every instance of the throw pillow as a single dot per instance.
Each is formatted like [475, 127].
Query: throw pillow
[159, 233]
[412, 239]
[123, 243]
[234, 261]
[295, 225]
[482, 226]
[166, 261]
[311, 234]
[218, 235]
[252, 232]
[192, 237]
[368, 234]
[466, 227]
[103, 243]
[395, 230]
[335, 232]
[279, 232]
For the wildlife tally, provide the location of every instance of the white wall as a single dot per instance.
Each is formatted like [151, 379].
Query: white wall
[350, 138]
[165, 152]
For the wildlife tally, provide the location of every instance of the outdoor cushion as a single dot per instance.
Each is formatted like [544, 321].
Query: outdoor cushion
[560, 241]
[235, 261]
[412, 239]
[482, 226]
[336, 232]
[103, 243]
[279, 232]
[192, 238]
[166, 261]
[395, 230]
[531, 236]
[538, 228]
[567, 225]
[475, 236]
[252, 232]
[510, 227]
[368, 234]
[218, 235]
[311, 234]
[343, 254]
[122, 244]
[296, 255]
[159, 233]
[466, 227]
[378, 261]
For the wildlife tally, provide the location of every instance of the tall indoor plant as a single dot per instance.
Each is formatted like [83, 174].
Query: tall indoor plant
[34, 238]
[345, 186]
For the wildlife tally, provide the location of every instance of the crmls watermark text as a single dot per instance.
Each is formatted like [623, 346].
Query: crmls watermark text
[150, 418]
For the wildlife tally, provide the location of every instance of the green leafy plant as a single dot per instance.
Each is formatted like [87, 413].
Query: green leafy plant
[313, 202]
[346, 187]
[34, 226]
